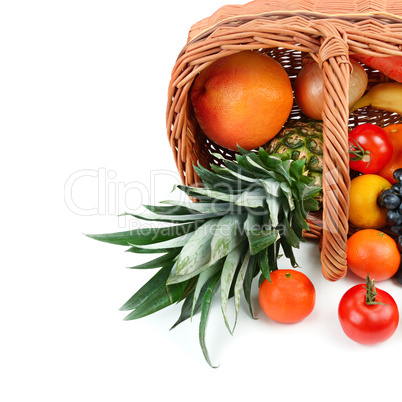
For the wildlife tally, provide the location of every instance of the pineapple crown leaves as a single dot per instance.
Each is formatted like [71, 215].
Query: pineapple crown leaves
[247, 211]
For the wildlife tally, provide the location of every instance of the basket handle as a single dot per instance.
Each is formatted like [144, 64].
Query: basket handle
[333, 58]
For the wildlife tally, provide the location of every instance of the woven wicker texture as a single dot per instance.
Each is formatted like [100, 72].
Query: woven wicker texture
[328, 32]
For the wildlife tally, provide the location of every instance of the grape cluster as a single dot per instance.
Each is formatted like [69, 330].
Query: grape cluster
[392, 200]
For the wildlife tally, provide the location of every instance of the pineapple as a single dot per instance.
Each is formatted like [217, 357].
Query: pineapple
[301, 139]
[248, 211]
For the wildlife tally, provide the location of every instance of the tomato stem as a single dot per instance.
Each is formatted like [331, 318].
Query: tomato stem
[371, 292]
[359, 153]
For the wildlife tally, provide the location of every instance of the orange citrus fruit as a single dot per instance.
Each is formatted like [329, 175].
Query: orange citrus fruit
[289, 297]
[364, 212]
[372, 252]
[394, 132]
[243, 99]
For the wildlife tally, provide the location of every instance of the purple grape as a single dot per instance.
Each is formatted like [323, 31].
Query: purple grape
[400, 244]
[397, 229]
[398, 175]
[396, 188]
[394, 218]
[391, 201]
[380, 199]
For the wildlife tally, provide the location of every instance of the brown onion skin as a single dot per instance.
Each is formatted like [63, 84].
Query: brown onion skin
[309, 88]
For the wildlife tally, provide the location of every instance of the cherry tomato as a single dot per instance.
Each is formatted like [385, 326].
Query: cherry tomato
[368, 315]
[370, 148]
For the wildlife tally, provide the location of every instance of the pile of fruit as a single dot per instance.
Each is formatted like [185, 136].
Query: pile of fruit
[253, 210]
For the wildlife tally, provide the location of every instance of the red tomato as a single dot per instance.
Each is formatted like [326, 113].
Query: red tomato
[366, 323]
[370, 148]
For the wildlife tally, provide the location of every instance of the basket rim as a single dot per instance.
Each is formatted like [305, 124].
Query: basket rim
[313, 15]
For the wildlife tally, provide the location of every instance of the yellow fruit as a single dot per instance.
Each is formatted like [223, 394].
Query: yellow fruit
[243, 99]
[364, 211]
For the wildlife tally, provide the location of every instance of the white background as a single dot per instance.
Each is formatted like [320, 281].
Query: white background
[83, 91]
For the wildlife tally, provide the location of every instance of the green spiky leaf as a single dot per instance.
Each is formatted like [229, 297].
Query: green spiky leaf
[227, 236]
[203, 278]
[206, 307]
[196, 254]
[248, 281]
[147, 235]
[249, 210]
[166, 259]
[229, 269]
[264, 264]
[239, 285]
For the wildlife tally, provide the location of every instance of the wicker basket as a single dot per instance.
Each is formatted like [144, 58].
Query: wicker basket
[328, 32]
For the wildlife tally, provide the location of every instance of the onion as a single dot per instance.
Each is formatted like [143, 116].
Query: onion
[309, 88]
